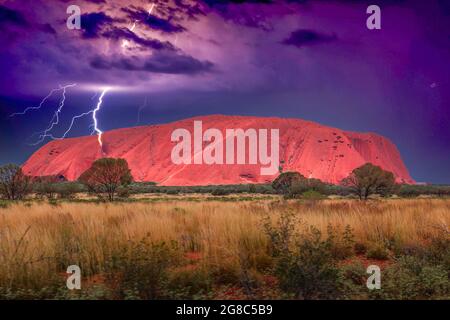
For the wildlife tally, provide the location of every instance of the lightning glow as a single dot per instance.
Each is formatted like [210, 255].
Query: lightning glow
[126, 43]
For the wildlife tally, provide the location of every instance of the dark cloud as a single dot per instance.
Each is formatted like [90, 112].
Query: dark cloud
[126, 34]
[190, 10]
[154, 22]
[92, 23]
[166, 62]
[13, 17]
[305, 37]
[252, 14]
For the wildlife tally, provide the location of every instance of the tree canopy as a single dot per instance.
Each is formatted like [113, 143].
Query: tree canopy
[369, 179]
[106, 176]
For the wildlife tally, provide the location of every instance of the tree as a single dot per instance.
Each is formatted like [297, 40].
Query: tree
[14, 184]
[283, 183]
[292, 184]
[307, 185]
[106, 176]
[369, 179]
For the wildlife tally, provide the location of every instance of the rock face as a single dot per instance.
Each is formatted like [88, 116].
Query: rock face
[314, 150]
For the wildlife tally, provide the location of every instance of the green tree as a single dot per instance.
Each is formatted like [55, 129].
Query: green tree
[307, 185]
[14, 184]
[369, 179]
[292, 184]
[106, 176]
[283, 183]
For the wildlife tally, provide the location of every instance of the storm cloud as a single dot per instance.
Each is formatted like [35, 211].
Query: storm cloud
[164, 62]
[304, 37]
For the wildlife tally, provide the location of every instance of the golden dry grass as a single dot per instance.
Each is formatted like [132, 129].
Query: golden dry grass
[35, 238]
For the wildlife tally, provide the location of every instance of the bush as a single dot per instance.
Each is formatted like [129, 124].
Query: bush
[220, 192]
[378, 252]
[360, 248]
[341, 244]
[305, 266]
[310, 272]
[143, 268]
[45, 190]
[414, 278]
[68, 190]
[409, 191]
[187, 283]
[312, 195]
[293, 184]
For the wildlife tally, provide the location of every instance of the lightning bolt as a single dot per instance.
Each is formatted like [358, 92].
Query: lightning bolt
[140, 111]
[56, 116]
[126, 43]
[55, 119]
[151, 9]
[73, 122]
[94, 117]
[92, 112]
[40, 104]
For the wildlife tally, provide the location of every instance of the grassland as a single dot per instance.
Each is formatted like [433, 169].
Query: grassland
[178, 248]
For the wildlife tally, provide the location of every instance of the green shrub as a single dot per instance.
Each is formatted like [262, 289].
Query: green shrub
[68, 190]
[377, 252]
[341, 244]
[45, 190]
[360, 248]
[409, 191]
[305, 266]
[220, 192]
[142, 268]
[414, 278]
[354, 277]
[187, 283]
[293, 185]
[309, 272]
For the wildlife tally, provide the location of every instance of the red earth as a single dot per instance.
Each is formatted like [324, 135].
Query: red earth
[314, 150]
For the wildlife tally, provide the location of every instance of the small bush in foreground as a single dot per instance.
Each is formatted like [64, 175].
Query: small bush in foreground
[378, 252]
[305, 262]
[142, 269]
[414, 278]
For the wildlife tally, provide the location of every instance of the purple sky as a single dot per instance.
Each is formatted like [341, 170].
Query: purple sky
[314, 60]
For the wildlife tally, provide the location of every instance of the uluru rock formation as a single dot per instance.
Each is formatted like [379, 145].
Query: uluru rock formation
[314, 150]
